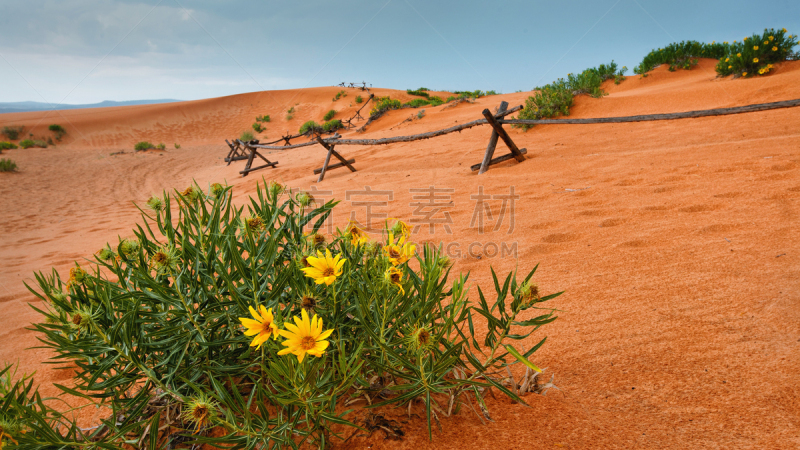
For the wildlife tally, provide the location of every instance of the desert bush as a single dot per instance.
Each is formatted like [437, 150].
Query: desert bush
[177, 146]
[421, 114]
[756, 54]
[310, 126]
[359, 99]
[332, 125]
[161, 146]
[27, 143]
[7, 165]
[556, 98]
[245, 327]
[469, 94]
[677, 55]
[416, 103]
[329, 115]
[7, 146]
[421, 92]
[143, 145]
[258, 128]
[265, 118]
[246, 136]
[58, 130]
[339, 95]
[382, 104]
[12, 132]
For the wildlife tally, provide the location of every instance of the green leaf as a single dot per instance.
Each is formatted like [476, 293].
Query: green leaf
[521, 358]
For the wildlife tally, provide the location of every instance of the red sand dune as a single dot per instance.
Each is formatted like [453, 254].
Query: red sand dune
[676, 242]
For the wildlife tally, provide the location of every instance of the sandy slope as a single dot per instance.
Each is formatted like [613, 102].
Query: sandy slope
[677, 243]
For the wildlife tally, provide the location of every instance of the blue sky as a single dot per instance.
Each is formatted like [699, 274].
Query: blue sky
[85, 51]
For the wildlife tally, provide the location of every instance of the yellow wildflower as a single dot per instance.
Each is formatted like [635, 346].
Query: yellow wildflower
[772, 38]
[727, 59]
[395, 276]
[305, 337]
[324, 268]
[739, 55]
[262, 326]
[400, 251]
[357, 235]
[755, 47]
[755, 60]
[730, 67]
[775, 49]
[744, 74]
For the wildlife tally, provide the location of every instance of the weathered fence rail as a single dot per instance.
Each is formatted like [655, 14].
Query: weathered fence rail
[497, 121]
[669, 116]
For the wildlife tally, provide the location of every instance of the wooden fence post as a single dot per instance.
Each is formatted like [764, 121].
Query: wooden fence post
[492, 142]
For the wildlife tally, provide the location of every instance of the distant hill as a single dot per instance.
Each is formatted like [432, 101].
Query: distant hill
[14, 107]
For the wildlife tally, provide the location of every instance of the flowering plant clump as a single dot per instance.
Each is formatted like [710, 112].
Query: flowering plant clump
[757, 54]
[225, 325]
[754, 55]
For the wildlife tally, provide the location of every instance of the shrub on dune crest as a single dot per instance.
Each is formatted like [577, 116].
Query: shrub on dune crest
[245, 326]
[556, 98]
[7, 146]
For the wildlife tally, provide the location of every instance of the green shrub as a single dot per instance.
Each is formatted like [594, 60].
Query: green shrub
[58, 130]
[177, 146]
[682, 55]
[161, 146]
[7, 165]
[421, 114]
[492, 92]
[143, 145]
[7, 146]
[291, 110]
[756, 54]
[310, 126]
[416, 103]
[153, 330]
[12, 133]
[329, 115]
[246, 136]
[289, 117]
[556, 98]
[469, 94]
[421, 92]
[339, 95]
[332, 125]
[383, 104]
[265, 118]
[27, 143]
[258, 128]
[359, 99]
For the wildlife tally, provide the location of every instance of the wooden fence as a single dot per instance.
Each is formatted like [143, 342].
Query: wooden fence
[496, 121]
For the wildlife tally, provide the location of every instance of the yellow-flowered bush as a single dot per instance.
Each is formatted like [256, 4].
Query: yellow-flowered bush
[745, 59]
[228, 326]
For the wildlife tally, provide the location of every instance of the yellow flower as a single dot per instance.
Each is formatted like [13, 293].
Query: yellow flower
[401, 228]
[745, 39]
[324, 268]
[727, 59]
[729, 67]
[755, 47]
[305, 336]
[726, 42]
[770, 66]
[357, 235]
[395, 276]
[772, 38]
[766, 42]
[775, 49]
[262, 327]
[398, 252]
[744, 74]
[755, 60]
[784, 30]
[761, 71]
[739, 55]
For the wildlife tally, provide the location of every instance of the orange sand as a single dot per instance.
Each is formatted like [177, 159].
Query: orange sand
[679, 253]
